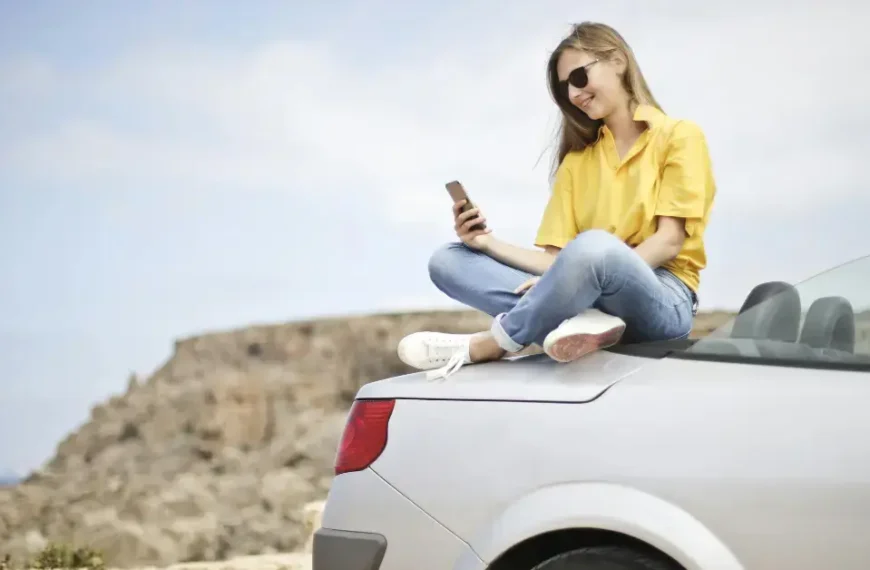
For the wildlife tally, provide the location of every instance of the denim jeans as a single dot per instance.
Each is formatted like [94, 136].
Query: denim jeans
[595, 270]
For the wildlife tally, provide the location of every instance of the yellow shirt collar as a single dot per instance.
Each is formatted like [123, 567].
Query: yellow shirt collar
[647, 113]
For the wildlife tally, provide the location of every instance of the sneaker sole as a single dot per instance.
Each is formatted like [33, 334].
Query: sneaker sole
[573, 346]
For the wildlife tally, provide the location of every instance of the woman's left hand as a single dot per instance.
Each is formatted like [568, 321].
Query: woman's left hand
[526, 286]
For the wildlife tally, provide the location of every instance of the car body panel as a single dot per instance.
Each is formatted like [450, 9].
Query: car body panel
[528, 378]
[770, 459]
[745, 449]
[607, 506]
[363, 502]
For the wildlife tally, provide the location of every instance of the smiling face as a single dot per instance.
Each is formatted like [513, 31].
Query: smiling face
[590, 83]
[606, 80]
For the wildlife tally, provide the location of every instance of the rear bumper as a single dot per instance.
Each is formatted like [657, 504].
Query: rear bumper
[343, 550]
[368, 525]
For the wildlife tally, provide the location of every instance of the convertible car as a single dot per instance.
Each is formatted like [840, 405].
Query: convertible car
[744, 449]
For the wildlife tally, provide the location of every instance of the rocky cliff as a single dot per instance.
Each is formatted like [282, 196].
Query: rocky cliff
[215, 454]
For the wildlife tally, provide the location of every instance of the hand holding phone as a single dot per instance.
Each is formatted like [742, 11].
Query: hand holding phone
[469, 223]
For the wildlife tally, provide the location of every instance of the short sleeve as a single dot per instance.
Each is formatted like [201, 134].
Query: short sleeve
[687, 185]
[558, 225]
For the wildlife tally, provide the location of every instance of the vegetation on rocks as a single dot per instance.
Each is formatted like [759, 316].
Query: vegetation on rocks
[57, 556]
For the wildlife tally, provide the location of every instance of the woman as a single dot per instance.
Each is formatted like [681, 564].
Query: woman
[621, 237]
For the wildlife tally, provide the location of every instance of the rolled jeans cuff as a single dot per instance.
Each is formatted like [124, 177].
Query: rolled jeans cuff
[502, 338]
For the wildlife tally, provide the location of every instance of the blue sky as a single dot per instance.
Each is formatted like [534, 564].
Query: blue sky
[169, 168]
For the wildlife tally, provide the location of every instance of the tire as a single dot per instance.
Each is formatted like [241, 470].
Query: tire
[606, 558]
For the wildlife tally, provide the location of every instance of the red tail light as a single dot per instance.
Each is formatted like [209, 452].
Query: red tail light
[365, 435]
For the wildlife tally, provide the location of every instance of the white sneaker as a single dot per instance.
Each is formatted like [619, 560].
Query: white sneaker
[587, 332]
[441, 354]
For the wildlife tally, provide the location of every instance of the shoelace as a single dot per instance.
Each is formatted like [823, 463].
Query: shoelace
[455, 363]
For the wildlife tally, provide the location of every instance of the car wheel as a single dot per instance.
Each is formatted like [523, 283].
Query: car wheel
[605, 558]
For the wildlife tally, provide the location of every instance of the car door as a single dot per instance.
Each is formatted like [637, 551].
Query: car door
[790, 484]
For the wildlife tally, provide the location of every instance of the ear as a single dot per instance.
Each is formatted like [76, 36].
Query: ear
[619, 62]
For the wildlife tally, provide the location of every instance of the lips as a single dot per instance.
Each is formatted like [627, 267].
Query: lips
[583, 103]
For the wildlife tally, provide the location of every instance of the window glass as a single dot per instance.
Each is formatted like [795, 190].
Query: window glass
[822, 321]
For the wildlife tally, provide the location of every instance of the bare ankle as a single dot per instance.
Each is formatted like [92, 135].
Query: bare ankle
[483, 347]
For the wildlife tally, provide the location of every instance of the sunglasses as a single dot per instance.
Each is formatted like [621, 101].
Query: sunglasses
[578, 77]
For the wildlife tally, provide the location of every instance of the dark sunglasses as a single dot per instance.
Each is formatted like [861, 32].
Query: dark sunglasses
[578, 77]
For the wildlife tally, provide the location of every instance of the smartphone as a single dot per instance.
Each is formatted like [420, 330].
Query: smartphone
[458, 193]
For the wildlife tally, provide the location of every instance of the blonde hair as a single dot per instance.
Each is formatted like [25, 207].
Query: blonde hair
[577, 130]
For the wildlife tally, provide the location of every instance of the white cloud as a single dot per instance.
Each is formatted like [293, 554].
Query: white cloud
[296, 117]
[25, 76]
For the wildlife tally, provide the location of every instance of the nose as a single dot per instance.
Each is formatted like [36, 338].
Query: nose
[573, 92]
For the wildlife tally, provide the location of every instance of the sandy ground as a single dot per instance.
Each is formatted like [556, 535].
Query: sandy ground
[280, 561]
[284, 561]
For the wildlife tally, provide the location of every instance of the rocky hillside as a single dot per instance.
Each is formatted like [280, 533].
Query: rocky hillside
[215, 454]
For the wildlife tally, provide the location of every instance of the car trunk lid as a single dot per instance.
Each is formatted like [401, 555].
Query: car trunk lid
[535, 378]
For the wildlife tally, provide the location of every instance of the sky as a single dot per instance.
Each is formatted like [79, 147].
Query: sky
[171, 168]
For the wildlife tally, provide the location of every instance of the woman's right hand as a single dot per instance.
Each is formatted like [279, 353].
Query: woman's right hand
[463, 221]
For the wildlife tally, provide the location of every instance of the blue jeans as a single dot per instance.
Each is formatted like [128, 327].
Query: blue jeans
[595, 270]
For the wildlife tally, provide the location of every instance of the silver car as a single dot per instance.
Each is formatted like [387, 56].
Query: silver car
[746, 449]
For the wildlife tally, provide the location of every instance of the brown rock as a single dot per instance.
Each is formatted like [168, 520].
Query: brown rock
[215, 454]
